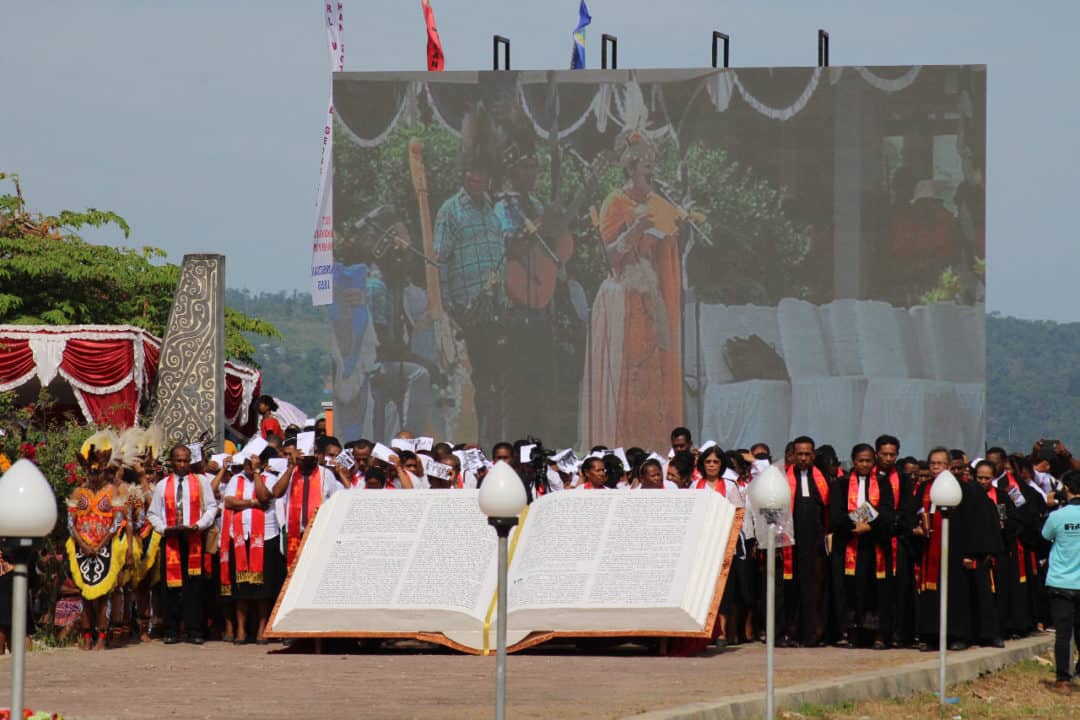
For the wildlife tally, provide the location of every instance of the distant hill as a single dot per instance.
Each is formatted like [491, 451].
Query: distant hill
[1033, 367]
[297, 366]
[1032, 382]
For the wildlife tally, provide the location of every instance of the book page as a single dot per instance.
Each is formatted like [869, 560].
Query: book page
[595, 553]
[375, 558]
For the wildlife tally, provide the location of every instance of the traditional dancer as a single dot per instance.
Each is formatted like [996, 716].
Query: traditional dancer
[96, 548]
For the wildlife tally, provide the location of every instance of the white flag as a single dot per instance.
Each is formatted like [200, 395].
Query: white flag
[322, 255]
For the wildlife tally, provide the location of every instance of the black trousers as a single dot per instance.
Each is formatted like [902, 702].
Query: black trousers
[485, 341]
[972, 606]
[903, 592]
[185, 603]
[1065, 612]
[807, 597]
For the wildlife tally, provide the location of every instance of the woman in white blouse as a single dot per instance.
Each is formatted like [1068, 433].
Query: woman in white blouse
[251, 562]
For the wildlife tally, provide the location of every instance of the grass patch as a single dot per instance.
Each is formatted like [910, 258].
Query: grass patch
[1018, 691]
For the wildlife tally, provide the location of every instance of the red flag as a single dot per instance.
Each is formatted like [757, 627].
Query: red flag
[436, 61]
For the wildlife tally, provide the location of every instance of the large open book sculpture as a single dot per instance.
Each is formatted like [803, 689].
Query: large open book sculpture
[423, 564]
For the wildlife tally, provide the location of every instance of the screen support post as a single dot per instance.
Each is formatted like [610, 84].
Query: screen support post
[822, 48]
[605, 40]
[717, 37]
[496, 41]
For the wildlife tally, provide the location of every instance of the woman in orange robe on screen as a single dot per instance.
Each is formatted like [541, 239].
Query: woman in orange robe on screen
[632, 393]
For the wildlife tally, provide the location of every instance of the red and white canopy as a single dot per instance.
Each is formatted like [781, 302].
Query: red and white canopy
[106, 370]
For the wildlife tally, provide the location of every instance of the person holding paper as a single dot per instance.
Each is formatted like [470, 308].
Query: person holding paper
[1009, 595]
[901, 616]
[1018, 570]
[361, 451]
[440, 475]
[862, 553]
[408, 471]
[251, 563]
[304, 485]
[182, 510]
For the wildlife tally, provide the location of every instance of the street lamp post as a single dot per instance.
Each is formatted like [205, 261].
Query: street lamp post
[945, 494]
[770, 494]
[27, 512]
[502, 498]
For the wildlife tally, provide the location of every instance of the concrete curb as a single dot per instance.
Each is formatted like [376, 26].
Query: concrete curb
[902, 681]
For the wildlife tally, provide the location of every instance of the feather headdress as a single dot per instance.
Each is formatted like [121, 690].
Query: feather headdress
[97, 452]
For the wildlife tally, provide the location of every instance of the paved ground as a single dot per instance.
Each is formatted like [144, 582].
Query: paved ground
[217, 680]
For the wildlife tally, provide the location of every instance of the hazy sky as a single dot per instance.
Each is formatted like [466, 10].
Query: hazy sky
[200, 122]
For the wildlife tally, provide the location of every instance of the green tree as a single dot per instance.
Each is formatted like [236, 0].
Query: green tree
[51, 276]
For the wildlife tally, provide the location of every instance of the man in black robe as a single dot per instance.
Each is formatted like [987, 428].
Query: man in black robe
[976, 540]
[1015, 569]
[806, 598]
[899, 625]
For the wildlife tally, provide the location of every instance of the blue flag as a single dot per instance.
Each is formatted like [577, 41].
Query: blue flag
[577, 60]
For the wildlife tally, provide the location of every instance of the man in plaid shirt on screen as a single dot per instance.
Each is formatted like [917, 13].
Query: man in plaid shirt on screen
[469, 248]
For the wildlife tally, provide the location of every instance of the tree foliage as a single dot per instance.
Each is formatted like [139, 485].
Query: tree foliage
[296, 366]
[1032, 382]
[50, 276]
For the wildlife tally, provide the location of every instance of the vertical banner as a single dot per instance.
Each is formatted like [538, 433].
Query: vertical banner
[322, 255]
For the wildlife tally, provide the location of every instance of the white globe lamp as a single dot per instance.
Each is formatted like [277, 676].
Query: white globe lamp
[27, 512]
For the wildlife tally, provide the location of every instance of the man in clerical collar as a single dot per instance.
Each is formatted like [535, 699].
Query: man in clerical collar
[805, 565]
[182, 509]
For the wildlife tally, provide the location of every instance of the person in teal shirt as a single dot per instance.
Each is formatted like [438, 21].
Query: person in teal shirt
[1062, 528]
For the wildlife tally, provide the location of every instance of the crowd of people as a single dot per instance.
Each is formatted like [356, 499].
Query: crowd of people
[195, 548]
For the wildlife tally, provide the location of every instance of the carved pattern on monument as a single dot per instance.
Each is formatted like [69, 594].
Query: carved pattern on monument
[190, 381]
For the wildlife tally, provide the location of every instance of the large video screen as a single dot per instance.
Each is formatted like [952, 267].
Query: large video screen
[597, 257]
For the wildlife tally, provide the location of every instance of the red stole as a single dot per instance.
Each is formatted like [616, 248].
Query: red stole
[296, 505]
[720, 486]
[894, 483]
[249, 570]
[173, 569]
[873, 496]
[823, 490]
[930, 567]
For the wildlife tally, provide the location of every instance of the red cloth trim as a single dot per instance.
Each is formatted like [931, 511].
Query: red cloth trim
[823, 489]
[873, 496]
[173, 571]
